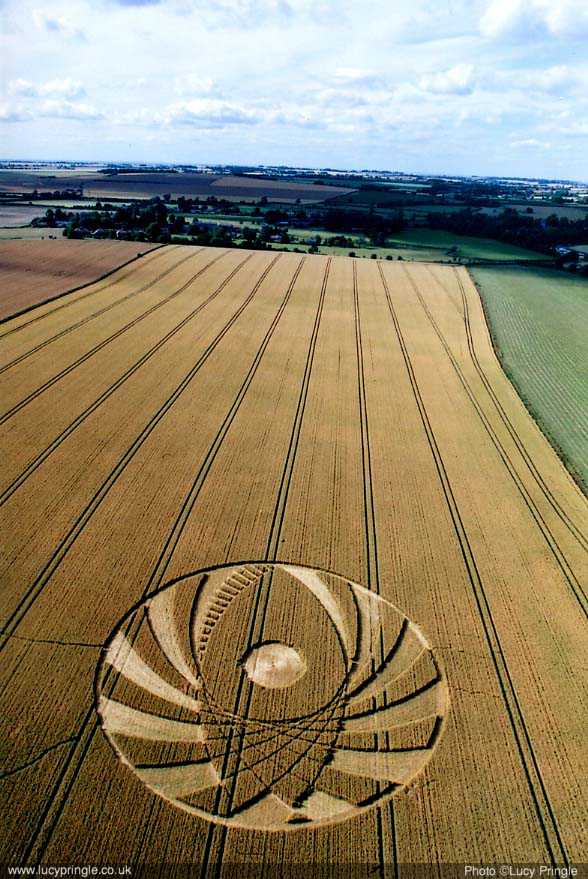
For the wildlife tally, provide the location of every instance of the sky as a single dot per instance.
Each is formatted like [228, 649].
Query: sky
[490, 87]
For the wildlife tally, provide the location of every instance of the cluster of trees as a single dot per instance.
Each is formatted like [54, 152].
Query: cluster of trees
[187, 205]
[521, 229]
[51, 218]
[259, 238]
[150, 222]
[341, 241]
[154, 221]
[375, 227]
[273, 216]
[56, 193]
[203, 236]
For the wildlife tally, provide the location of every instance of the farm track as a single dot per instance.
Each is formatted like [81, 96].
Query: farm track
[523, 709]
[295, 409]
[55, 414]
[242, 704]
[372, 571]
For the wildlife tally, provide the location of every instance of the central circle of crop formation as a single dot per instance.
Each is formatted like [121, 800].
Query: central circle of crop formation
[270, 696]
[274, 665]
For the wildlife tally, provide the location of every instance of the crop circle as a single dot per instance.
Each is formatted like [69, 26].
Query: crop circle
[270, 696]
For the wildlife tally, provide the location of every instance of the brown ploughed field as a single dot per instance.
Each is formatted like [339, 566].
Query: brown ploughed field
[34, 271]
[289, 576]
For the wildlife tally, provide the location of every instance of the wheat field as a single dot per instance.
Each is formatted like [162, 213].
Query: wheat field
[289, 575]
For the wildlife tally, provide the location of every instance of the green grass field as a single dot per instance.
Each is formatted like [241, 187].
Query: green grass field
[383, 196]
[421, 254]
[468, 247]
[426, 245]
[539, 322]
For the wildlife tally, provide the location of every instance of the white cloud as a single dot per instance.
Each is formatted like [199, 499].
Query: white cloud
[16, 113]
[357, 76]
[209, 113]
[406, 92]
[523, 19]
[191, 84]
[57, 24]
[58, 88]
[240, 13]
[507, 18]
[60, 108]
[326, 82]
[574, 129]
[294, 117]
[63, 88]
[567, 18]
[550, 79]
[458, 80]
[527, 142]
[342, 97]
[22, 88]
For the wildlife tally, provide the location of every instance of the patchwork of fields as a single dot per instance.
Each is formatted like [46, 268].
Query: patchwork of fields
[190, 184]
[290, 575]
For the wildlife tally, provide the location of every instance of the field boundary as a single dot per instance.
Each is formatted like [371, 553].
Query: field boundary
[575, 477]
[84, 357]
[94, 315]
[70, 302]
[103, 277]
